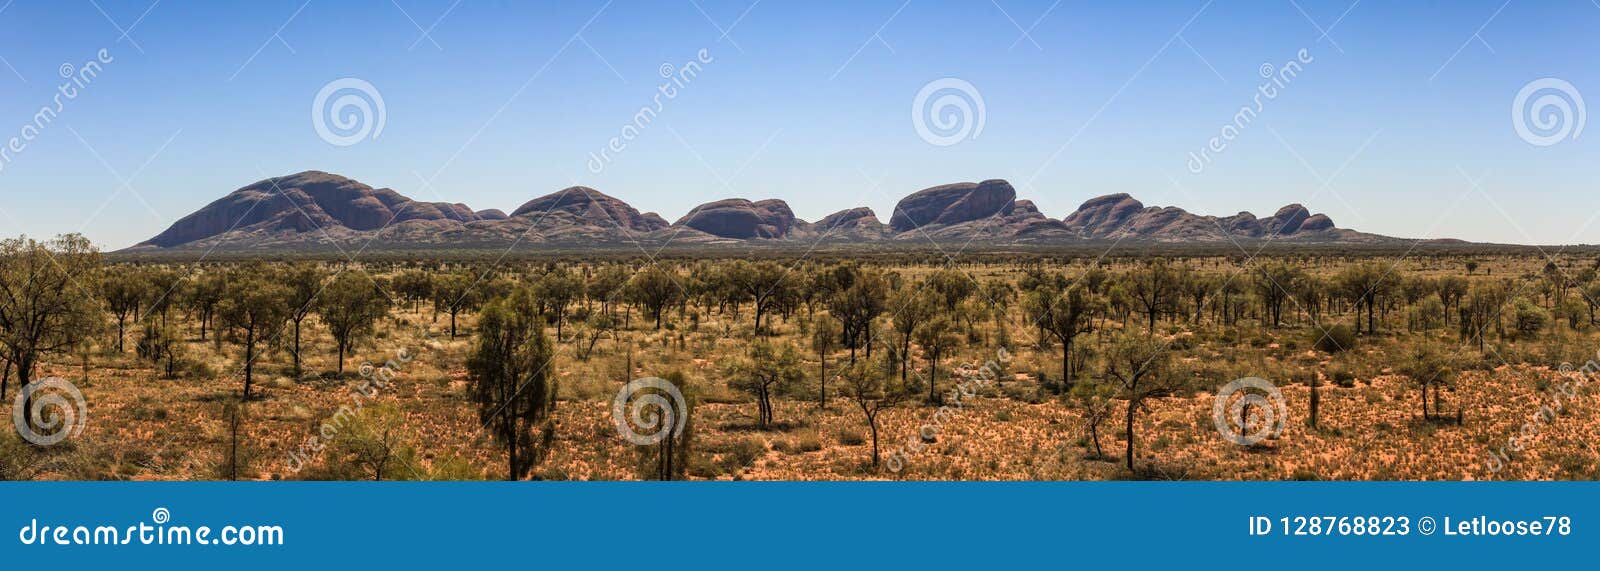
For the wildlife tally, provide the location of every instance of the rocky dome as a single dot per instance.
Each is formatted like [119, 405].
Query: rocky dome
[860, 217]
[593, 207]
[303, 202]
[742, 219]
[1100, 216]
[952, 204]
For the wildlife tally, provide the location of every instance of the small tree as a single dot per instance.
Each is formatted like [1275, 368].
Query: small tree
[936, 337]
[909, 309]
[558, 290]
[415, 286]
[824, 340]
[1137, 366]
[454, 293]
[509, 368]
[1095, 400]
[160, 343]
[765, 369]
[1427, 369]
[305, 282]
[374, 444]
[350, 307]
[596, 326]
[655, 289]
[256, 307]
[873, 390]
[205, 292]
[123, 289]
[1065, 314]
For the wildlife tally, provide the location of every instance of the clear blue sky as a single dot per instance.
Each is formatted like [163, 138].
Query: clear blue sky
[810, 102]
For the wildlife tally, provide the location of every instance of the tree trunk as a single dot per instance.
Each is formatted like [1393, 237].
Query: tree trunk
[821, 400]
[872, 422]
[249, 359]
[297, 348]
[1131, 407]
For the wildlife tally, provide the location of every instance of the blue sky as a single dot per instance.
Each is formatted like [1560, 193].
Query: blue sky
[1401, 124]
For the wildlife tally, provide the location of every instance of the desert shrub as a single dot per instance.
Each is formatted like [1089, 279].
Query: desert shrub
[852, 437]
[1335, 339]
[1530, 319]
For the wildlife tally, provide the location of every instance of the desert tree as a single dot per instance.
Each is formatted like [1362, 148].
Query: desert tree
[256, 306]
[1363, 284]
[162, 288]
[350, 307]
[762, 372]
[606, 285]
[205, 292]
[1154, 287]
[765, 284]
[908, 310]
[374, 445]
[123, 288]
[454, 293]
[951, 287]
[45, 306]
[512, 383]
[1274, 284]
[1426, 369]
[557, 291]
[161, 344]
[874, 390]
[668, 459]
[1095, 401]
[597, 325]
[860, 296]
[415, 286]
[936, 336]
[1065, 311]
[305, 283]
[1137, 367]
[655, 289]
[824, 340]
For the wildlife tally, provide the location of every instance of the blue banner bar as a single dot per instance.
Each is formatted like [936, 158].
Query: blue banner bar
[797, 525]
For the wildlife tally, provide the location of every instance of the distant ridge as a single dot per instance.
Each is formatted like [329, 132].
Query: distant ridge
[313, 209]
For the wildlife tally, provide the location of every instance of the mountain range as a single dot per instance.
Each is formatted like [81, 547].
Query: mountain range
[314, 210]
